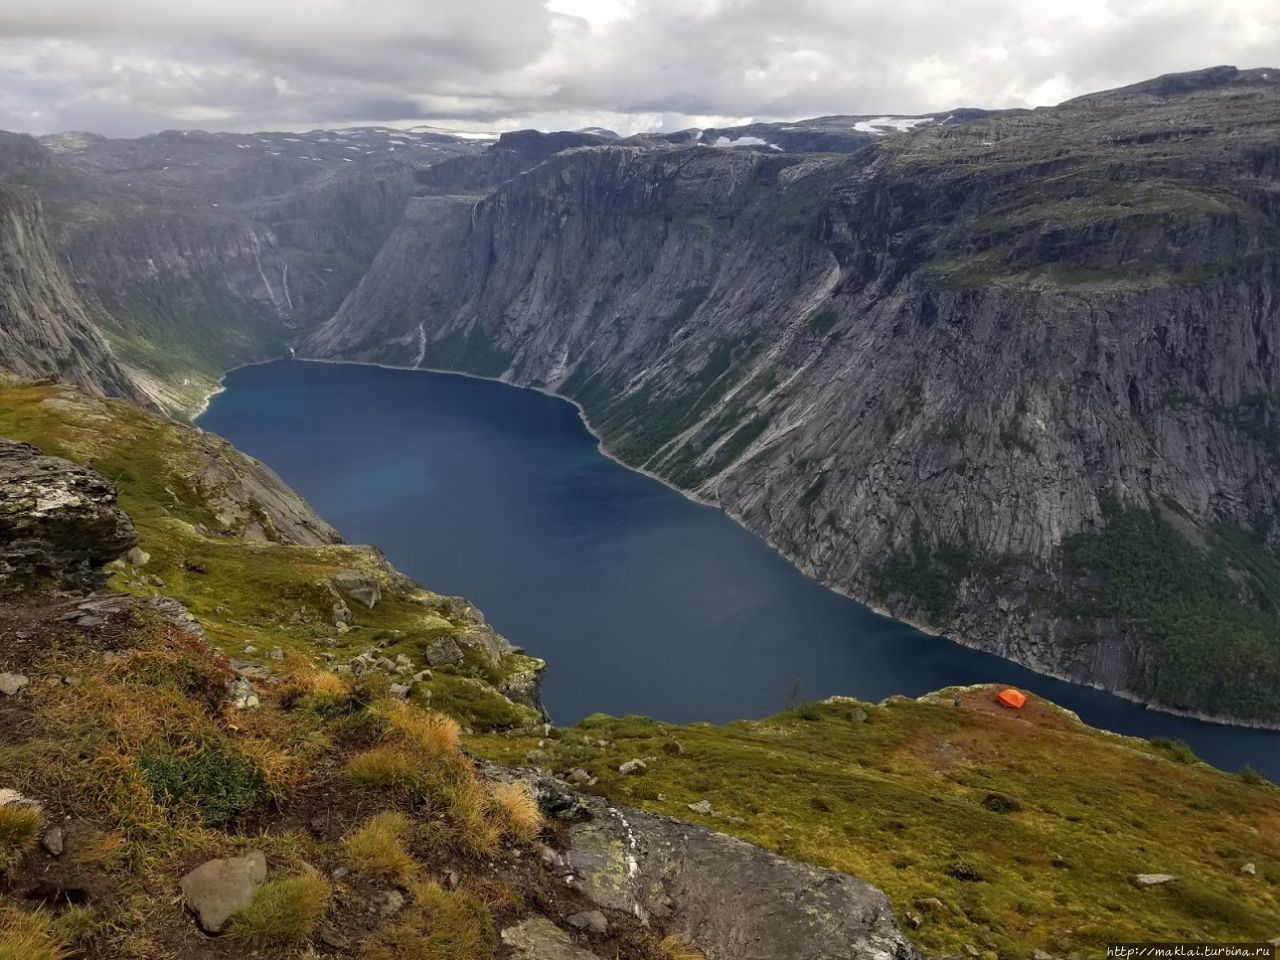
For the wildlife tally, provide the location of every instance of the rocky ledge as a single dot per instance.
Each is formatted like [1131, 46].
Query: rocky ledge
[59, 522]
[732, 898]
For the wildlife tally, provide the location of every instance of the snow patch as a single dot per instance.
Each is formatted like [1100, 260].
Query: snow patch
[882, 125]
[744, 142]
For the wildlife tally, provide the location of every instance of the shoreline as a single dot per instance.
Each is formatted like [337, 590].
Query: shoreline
[1221, 721]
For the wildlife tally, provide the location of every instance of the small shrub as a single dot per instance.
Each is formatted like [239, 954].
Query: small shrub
[440, 925]
[378, 845]
[283, 912]
[1254, 778]
[217, 780]
[29, 936]
[19, 830]
[999, 803]
[965, 871]
[1177, 750]
[518, 810]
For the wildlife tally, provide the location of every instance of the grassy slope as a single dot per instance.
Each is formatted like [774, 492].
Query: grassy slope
[902, 801]
[264, 595]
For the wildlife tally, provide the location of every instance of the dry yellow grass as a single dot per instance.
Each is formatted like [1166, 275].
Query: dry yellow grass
[440, 925]
[426, 730]
[377, 846]
[518, 810]
[29, 936]
[19, 830]
[385, 767]
[677, 948]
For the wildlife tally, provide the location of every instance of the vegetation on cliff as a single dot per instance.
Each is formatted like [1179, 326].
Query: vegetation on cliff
[1006, 831]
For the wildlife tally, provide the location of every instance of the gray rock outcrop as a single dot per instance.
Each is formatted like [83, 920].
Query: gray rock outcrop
[730, 899]
[59, 522]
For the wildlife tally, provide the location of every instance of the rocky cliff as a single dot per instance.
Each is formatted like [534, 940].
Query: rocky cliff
[1011, 376]
[194, 253]
[44, 330]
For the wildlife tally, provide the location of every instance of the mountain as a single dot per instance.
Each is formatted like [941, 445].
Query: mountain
[1008, 375]
[196, 252]
[44, 329]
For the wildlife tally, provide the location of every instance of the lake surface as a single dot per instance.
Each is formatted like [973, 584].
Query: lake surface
[640, 600]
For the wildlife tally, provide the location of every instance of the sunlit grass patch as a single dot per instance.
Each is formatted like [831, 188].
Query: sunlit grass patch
[377, 846]
[517, 810]
[440, 925]
[283, 912]
[30, 936]
[20, 826]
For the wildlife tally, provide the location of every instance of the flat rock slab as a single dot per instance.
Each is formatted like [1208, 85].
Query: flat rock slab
[1153, 879]
[730, 899]
[217, 890]
[539, 939]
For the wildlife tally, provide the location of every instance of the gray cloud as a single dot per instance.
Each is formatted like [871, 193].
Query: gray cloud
[128, 67]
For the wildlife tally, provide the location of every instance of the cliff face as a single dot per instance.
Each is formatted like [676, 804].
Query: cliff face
[940, 373]
[44, 331]
[194, 253]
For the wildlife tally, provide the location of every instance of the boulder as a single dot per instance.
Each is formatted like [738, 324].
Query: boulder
[442, 651]
[59, 522]
[703, 807]
[53, 841]
[11, 683]
[218, 889]
[633, 768]
[360, 587]
[589, 921]
[539, 939]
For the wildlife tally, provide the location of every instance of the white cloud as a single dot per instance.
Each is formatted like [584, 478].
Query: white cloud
[131, 66]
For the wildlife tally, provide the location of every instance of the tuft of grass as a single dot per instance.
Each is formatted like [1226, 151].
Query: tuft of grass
[19, 830]
[78, 924]
[385, 767]
[283, 912]
[440, 925]
[29, 936]
[518, 810]
[428, 731]
[377, 846]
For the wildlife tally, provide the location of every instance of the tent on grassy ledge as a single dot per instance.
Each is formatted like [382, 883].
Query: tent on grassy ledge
[1013, 699]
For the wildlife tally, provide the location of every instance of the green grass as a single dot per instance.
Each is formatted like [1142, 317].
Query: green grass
[216, 779]
[1013, 831]
[440, 925]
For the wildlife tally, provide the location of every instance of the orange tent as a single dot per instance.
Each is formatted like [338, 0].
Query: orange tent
[1013, 699]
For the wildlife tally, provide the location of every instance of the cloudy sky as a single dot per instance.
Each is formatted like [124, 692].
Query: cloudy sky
[127, 67]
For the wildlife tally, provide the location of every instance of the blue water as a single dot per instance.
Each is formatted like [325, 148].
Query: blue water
[640, 600]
